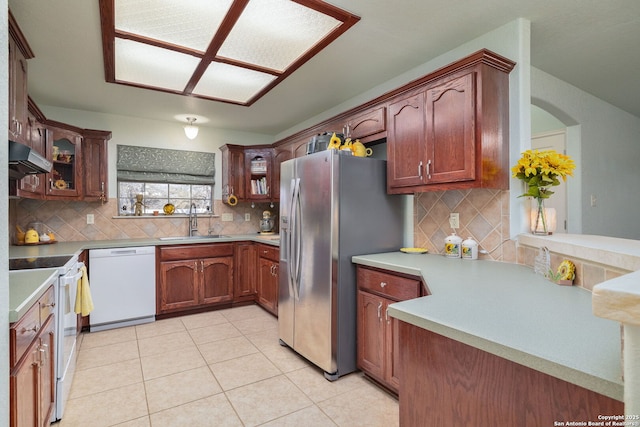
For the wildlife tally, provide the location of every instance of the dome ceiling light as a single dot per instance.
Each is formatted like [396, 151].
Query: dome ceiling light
[191, 130]
[233, 51]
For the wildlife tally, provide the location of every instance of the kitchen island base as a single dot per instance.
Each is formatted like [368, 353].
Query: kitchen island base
[447, 383]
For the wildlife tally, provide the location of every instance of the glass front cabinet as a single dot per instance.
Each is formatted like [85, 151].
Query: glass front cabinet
[65, 178]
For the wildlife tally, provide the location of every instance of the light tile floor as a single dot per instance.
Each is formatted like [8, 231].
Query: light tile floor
[221, 368]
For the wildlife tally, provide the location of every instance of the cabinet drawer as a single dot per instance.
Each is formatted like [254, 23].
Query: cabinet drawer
[180, 252]
[269, 252]
[389, 285]
[22, 333]
[46, 305]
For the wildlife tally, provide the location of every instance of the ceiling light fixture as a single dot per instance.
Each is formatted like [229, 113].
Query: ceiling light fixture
[190, 129]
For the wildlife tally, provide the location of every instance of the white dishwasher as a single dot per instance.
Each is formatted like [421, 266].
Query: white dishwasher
[123, 286]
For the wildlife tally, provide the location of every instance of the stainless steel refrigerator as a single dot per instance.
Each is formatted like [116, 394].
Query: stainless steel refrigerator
[332, 206]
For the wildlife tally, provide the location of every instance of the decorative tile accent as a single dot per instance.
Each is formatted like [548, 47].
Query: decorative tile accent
[484, 216]
[68, 220]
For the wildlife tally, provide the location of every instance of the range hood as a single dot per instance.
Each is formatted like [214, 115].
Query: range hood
[23, 161]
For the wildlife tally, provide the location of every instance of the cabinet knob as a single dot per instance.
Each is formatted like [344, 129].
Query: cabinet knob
[383, 284]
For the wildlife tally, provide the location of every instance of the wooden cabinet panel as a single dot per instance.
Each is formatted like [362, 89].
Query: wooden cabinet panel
[406, 151]
[378, 338]
[450, 130]
[32, 373]
[232, 175]
[366, 124]
[389, 285]
[194, 276]
[246, 261]
[178, 285]
[460, 139]
[448, 383]
[95, 163]
[281, 154]
[66, 179]
[18, 100]
[371, 334]
[268, 277]
[217, 277]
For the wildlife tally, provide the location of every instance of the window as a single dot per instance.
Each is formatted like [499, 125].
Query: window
[163, 176]
[156, 195]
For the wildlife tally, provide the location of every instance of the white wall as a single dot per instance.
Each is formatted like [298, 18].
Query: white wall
[4, 231]
[153, 133]
[604, 141]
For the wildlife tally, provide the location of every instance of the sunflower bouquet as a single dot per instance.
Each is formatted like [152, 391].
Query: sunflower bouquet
[541, 170]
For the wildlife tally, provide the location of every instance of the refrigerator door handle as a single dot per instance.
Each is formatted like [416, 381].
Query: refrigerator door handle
[297, 235]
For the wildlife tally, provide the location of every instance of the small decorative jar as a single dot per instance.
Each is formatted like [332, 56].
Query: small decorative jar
[452, 246]
[469, 249]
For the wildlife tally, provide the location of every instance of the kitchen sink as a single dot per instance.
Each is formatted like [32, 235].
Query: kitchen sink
[210, 236]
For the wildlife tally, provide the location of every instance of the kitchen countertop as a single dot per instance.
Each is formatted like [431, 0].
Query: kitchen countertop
[75, 248]
[26, 286]
[508, 310]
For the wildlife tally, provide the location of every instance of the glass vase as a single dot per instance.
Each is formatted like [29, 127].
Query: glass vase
[539, 220]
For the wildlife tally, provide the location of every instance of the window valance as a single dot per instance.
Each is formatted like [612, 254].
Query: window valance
[147, 164]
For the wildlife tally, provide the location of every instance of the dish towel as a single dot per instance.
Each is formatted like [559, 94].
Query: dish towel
[84, 303]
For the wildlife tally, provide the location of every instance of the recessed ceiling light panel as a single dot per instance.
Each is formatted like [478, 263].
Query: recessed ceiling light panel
[222, 81]
[225, 50]
[190, 24]
[274, 33]
[152, 66]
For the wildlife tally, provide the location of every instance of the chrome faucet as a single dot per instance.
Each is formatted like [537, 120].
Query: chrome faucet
[193, 220]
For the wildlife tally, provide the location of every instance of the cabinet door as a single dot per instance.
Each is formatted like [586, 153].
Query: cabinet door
[24, 381]
[178, 286]
[94, 155]
[18, 100]
[366, 124]
[47, 379]
[217, 279]
[232, 172]
[406, 142]
[268, 285]
[245, 271]
[33, 186]
[300, 148]
[65, 179]
[392, 362]
[371, 333]
[450, 130]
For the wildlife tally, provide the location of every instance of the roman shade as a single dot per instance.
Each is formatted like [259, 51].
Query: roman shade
[147, 164]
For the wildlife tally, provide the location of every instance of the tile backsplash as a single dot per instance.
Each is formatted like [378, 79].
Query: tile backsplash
[484, 216]
[68, 220]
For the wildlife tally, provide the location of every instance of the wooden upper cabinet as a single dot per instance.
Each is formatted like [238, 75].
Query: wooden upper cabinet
[258, 172]
[34, 185]
[94, 158]
[450, 130]
[460, 139]
[18, 53]
[406, 142]
[367, 126]
[232, 172]
[64, 148]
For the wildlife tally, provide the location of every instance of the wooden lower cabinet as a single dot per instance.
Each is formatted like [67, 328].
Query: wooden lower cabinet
[246, 260]
[268, 277]
[448, 383]
[32, 374]
[378, 338]
[194, 276]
